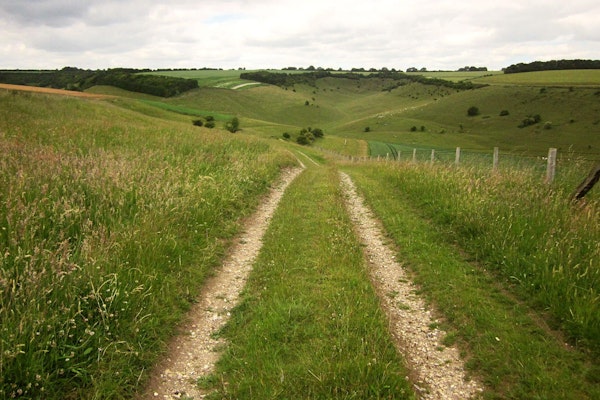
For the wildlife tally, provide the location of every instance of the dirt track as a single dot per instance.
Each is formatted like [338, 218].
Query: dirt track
[52, 91]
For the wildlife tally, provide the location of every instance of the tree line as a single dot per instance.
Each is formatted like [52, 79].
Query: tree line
[309, 78]
[71, 78]
[553, 65]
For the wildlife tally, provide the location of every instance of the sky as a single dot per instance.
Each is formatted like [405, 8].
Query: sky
[258, 34]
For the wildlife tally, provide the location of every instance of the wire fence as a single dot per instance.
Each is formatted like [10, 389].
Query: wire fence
[571, 166]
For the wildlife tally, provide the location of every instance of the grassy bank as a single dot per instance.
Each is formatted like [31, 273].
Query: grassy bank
[109, 221]
[511, 264]
[309, 325]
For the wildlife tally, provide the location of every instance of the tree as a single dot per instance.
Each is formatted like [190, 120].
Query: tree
[233, 125]
[472, 111]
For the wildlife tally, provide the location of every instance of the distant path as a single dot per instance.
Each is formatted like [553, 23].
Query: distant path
[438, 370]
[52, 91]
[195, 351]
[245, 84]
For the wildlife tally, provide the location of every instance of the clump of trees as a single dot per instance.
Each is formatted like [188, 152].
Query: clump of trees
[552, 66]
[309, 78]
[472, 69]
[306, 136]
[530, 120]
[71, 78]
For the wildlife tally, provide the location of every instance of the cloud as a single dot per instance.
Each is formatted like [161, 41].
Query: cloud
[275, 33]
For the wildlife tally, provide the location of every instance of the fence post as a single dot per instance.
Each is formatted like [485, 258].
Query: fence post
[414, 155]
[495, 165]
[457, 158]
[551, 170]
[432, 155]
[399, 154]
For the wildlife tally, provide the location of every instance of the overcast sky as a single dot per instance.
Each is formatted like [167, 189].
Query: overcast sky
[436, 34]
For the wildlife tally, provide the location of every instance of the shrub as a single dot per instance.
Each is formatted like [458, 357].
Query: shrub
[198, 122]
[473, 111]
[530, 120]
[233, 125]
[413, 129]
[317, 132]
[368, 129]
[210, 124]
[209, 118]
[286, 135]
[504, 113]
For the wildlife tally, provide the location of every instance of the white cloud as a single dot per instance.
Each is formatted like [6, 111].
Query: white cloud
[276, 33]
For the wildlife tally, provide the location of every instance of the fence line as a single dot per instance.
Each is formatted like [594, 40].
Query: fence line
[550, 172]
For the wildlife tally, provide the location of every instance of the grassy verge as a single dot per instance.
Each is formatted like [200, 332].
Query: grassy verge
[309, 325]
[472, 241]
[109, 221]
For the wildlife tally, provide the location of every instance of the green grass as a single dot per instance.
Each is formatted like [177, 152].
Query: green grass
[584, 77]
[207, 78]
[109, 222]
[309, 325]
[457, 76]
[113, 212]
[478, 243]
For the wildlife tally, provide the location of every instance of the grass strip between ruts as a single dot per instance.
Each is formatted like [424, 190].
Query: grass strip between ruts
[309, 324]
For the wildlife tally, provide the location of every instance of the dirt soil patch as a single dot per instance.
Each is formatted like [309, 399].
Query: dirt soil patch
[52, 91]
[438, 371]
[194, 352]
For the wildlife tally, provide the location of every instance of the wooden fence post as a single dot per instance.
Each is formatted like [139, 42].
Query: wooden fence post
[457, 158]
[414, 155]
[588, 183]
[399, 154]
[432, 155]
[551, 170]
[495, 162]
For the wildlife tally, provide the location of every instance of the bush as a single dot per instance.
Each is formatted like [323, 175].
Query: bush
[233, 125]
[413, 129]
[473, 111]
[286, 136]
[368, 129]
[198, 122]
[504, 113]
[317, 132]
[210, 124]
[530, 120]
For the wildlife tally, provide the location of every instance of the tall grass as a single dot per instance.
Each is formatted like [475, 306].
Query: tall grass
[109, 220]
[524, 230]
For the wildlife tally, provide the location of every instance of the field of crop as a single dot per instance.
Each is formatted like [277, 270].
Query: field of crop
[582, 78]
[114, 210]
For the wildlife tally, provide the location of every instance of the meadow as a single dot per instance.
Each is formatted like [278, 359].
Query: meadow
[114, 211]
[110, 220]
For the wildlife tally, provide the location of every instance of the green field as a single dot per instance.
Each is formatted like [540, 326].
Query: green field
[114, 211]
[208, 78]
[581, 78]
[346, 108]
